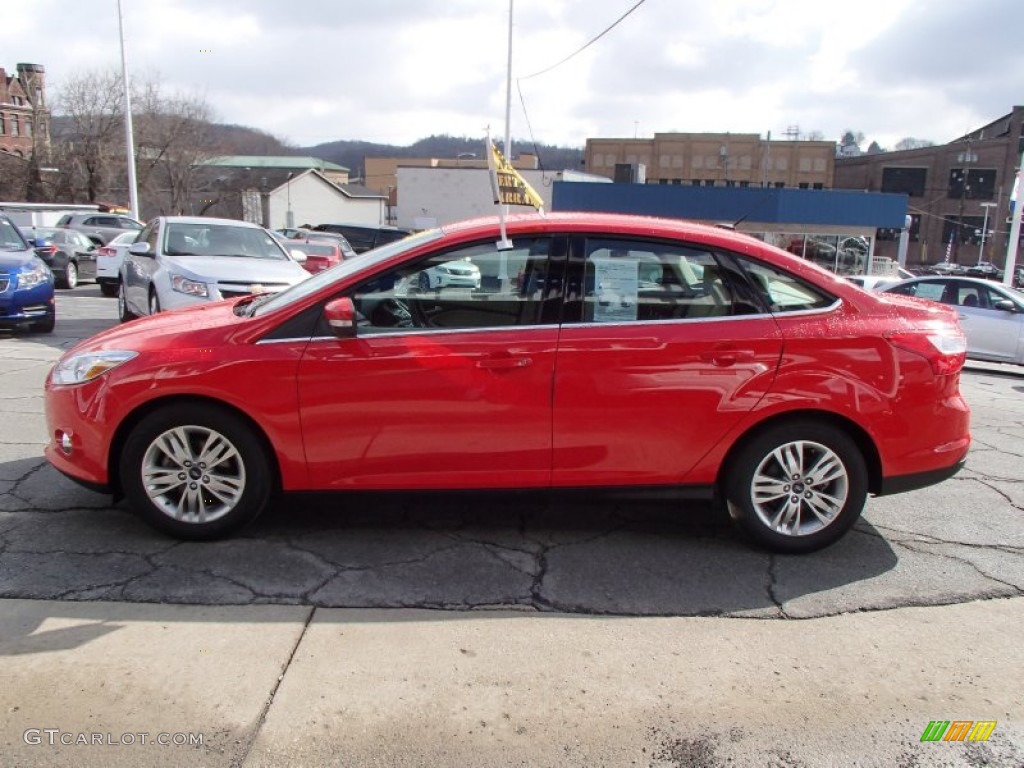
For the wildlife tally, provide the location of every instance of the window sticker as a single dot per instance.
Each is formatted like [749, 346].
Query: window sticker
[616, 289]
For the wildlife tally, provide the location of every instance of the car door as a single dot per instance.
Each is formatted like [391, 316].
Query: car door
[664, 349]
[85, 254]
[137, 271]
[992, 333]
[444, 387]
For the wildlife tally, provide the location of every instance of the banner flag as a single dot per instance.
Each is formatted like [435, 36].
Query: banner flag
[508, 186]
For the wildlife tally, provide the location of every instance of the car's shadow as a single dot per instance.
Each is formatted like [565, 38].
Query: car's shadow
[589, 554]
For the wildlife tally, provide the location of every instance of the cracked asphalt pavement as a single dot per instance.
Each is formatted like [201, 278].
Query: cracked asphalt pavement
[960, 541]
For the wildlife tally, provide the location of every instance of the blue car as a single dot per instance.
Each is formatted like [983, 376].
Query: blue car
[26, 284]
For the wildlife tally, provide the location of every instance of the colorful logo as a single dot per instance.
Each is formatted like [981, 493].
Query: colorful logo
[958, 730]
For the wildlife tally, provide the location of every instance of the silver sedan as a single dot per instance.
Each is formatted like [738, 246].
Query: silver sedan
[991, 315]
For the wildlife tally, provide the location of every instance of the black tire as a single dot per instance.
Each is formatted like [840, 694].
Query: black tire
[826, 472]
[109, 290]
[70, 277]
[46, 325]
[195, 502]
[154, 302]
[123, 313]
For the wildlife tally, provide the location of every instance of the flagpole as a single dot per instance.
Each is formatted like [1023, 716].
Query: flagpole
[1010, 268]
[133, 189]
[504, 243]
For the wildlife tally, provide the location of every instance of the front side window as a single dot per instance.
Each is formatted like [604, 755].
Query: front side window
[474, 286]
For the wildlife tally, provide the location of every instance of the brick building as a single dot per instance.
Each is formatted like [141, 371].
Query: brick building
[956, 192]
[714, 160]
[24, 116]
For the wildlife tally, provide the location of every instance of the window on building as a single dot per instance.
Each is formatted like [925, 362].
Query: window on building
[905, 181]
[598, 161]
[744, 184]
[819, 165]
[28, 127]
[3, 126]
[965, 231]
[695, 182]
[804, 185]
[730, 183]
[805, 165]
[664, 161]
[780, 184]
[980, 184]
[677, 182]
[818, 185]
[709, 182]
[15, 128]
[663, 181]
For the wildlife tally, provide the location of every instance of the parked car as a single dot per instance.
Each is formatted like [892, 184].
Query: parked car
[108, 262]
[101, 228]
[985, 269]
[364, 237]
[320, 255]
[734, 371]
[180, 260]
[26, 284]
[877, 282]
[452, 274]
[69, 254]
[991, 314]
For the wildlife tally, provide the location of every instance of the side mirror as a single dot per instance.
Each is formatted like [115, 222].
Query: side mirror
[341, 317]
[1005, 305]
[139, 249]
[298, 256]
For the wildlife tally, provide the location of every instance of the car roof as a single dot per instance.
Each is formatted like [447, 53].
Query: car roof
[201, 220]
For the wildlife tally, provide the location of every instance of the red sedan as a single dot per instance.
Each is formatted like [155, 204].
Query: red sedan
[599, 351]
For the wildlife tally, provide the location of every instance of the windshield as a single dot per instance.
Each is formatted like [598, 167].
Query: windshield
[10, 237]
[342, 270]
[207, 239]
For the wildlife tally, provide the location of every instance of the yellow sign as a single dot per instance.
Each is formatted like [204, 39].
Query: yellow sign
[508, 185]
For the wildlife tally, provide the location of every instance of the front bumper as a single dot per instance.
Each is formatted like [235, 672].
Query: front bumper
[25, 306]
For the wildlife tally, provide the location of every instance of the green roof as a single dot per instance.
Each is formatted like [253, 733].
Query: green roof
[284, 162]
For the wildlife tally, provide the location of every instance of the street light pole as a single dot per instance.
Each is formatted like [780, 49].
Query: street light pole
[984, 232]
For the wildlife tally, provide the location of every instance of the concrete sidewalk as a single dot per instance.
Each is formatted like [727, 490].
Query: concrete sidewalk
[292, 685]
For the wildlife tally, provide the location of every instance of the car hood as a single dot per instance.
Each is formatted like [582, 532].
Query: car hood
[235, 269]
[15, 259]
[165, 329]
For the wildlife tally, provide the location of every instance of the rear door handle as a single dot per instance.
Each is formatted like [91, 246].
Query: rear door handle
[504, 363]
[725, 356]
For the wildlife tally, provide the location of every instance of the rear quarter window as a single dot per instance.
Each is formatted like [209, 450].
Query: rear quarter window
[784, 292]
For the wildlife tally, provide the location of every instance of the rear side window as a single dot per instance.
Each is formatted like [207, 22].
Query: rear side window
[636, 280]
[783, 292]
[63, 220]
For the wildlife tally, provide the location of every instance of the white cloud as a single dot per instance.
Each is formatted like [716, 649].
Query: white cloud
[393, 71]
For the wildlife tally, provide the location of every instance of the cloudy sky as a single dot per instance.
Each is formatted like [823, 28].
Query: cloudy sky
[393, 71]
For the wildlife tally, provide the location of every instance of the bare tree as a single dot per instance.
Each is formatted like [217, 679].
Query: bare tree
[912, 143]
[171, 131]
[91, 101]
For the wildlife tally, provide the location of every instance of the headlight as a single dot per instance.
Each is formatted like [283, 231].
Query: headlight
[35, 275]
[86, 366]
[188, 287]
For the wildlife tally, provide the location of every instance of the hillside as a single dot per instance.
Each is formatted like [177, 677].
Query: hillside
[242, 140]
[351, 153]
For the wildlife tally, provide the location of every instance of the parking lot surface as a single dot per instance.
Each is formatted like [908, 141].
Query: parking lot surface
[504, 596]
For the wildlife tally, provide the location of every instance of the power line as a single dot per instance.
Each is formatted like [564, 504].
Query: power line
[594, 40]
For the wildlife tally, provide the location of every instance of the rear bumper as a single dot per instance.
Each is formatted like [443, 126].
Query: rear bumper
[912, 482]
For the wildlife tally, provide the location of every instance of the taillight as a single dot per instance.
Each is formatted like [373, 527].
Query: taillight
[49, 250]
[944, 349]
[105, 251]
